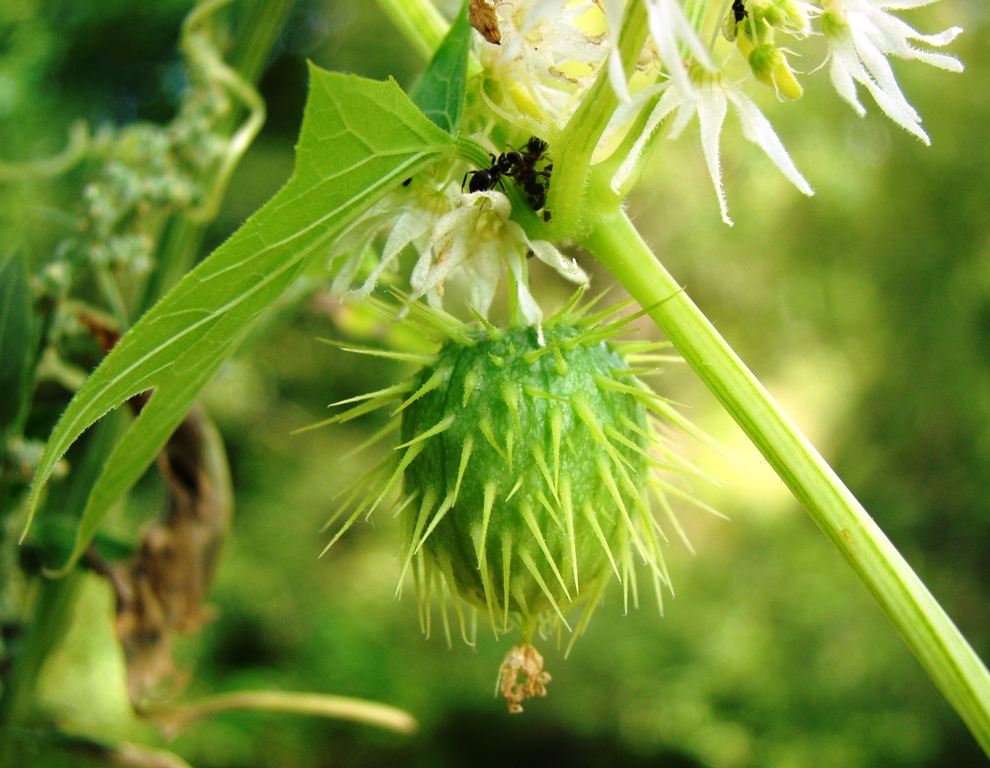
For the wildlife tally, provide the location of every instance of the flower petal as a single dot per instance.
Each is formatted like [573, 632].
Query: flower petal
[670, 100]
[484, 274]
[527, 304]
[843, 80]
[757, 129]
[549, 255]
[345, 276]
[940, 60]
[712, 106]
[866, 36]
[671, 31]
[614, 11]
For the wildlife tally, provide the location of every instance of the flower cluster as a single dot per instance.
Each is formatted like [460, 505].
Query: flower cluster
[861, 35]
[548, 53]
[545, 58]
[694, 78]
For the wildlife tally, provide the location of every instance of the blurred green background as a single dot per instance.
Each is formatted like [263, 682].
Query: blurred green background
[865, 310]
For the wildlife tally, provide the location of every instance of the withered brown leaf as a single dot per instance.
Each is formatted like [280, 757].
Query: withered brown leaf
[162, 587]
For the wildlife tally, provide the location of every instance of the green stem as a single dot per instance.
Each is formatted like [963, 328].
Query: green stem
[180, 716]
[419, 22]
[576, 144]
[917, 616]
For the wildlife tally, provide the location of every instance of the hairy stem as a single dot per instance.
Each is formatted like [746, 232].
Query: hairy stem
[576, 144]
[914, 612]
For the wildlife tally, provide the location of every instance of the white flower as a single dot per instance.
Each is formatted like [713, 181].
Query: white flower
[709, 99]
[477, 239]
[674, 39]
[861, 34]
[411, 215]
[543, 63]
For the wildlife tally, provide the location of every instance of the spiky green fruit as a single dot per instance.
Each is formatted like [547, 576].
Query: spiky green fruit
[525, 457]
[530, 467]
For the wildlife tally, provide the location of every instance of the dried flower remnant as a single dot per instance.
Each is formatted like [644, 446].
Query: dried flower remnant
[410, 215]
[483, 18]
[523, 659]
[479, 239]
[457, 236]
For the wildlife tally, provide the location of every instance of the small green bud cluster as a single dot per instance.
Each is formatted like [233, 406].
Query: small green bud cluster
[147, 173]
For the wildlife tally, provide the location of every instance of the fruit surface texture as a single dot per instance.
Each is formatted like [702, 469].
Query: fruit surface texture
[527, 460]
[529, 468]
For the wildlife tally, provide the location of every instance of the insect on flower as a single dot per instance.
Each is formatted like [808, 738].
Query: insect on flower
[521, 167]
[737, 13]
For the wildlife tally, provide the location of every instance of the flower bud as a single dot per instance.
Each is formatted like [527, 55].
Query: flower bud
[769, 65]
[783, 14]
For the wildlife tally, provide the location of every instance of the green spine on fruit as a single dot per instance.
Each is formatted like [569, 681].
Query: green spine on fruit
[525, 460]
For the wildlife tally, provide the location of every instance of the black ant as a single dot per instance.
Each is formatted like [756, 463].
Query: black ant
[736, 15]
[520, 166]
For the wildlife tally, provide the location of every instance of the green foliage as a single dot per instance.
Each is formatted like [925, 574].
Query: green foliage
[440, 92]
[16, 340]
[359, 140]
[866, 310]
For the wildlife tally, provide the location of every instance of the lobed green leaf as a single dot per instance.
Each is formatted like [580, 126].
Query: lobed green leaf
[359, 139]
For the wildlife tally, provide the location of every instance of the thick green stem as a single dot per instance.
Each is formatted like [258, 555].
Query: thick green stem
[924, 626]
[576, 144]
